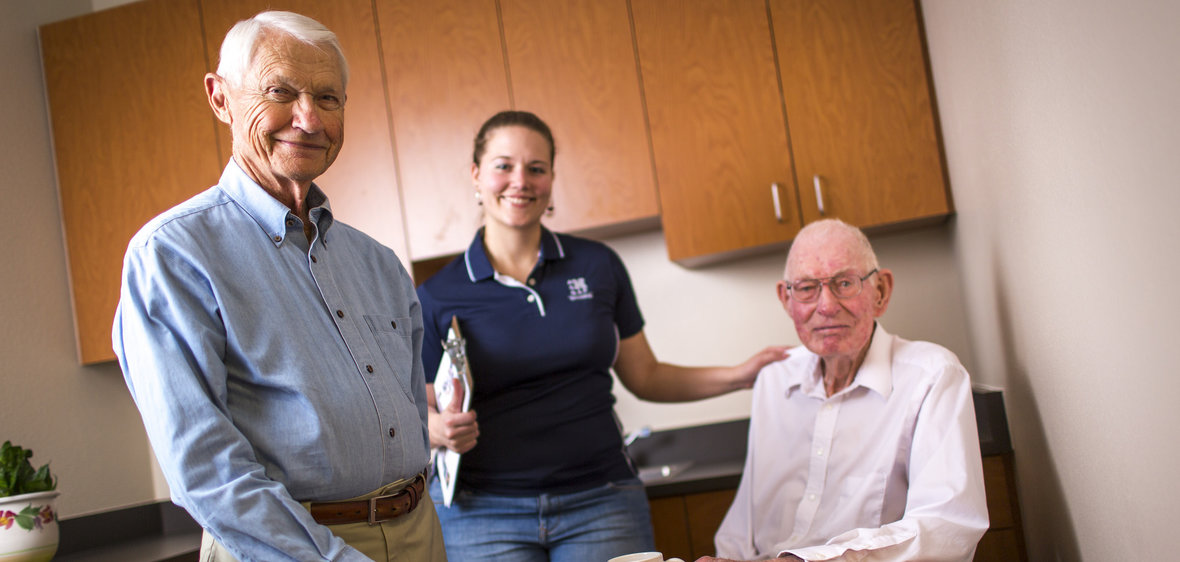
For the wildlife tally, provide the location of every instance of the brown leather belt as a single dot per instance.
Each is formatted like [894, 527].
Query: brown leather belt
[373, 510]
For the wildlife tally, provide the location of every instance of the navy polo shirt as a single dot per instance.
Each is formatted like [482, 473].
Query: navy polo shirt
[540, 355]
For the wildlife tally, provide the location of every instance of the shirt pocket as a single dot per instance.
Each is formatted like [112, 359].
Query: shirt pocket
[394, 337]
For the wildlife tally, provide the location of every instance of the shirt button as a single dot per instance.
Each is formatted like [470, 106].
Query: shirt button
[819, 452]
[278, 238]
[392, 432]
[393, 324]
[532, 282]
[531, 299]
[313, 260]
[369, 368]
[290, 222]
[340, 313]
[809, 496]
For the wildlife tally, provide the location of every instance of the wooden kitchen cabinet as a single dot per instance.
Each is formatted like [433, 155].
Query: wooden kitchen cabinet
[718, 130]
[860, 110]
[745, 95]
[1004, 539]
[133, 135]
[362, 184]
[445, 74]
[684, 525]
[452, 65]
[573, 63]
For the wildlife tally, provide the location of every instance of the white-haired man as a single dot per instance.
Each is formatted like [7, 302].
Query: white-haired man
[274, 352]
[864, 446]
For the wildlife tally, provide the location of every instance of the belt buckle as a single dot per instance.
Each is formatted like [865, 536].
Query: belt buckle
[373, 507]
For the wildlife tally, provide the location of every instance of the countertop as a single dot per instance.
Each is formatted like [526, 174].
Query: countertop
[710, 457]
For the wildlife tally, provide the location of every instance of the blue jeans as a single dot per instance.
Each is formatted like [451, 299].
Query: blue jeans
[592, 525]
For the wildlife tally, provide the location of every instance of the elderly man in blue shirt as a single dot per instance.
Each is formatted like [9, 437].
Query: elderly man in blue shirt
[273, 351]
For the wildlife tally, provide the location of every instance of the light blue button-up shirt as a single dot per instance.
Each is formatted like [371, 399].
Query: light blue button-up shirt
[270, 370]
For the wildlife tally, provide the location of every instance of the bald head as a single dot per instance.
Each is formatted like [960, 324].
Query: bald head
[828, 237]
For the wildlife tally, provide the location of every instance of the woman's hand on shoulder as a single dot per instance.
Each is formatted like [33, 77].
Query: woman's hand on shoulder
[747, 372]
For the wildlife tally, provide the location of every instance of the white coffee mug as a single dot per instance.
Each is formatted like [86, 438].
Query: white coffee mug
[644, 557]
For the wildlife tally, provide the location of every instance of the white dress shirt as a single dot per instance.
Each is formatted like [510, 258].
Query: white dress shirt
[887, 469]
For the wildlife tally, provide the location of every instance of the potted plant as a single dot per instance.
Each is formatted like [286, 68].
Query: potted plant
[28, 522]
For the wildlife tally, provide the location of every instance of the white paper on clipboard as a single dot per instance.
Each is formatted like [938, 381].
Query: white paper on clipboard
[453, 371]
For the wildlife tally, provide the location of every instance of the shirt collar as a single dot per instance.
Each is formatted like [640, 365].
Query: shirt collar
[875, 373]
[270, 214]
[479, 267]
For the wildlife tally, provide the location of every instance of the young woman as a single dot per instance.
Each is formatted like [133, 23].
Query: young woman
[546, 316]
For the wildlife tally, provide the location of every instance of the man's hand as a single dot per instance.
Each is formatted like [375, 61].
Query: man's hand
[456, 430]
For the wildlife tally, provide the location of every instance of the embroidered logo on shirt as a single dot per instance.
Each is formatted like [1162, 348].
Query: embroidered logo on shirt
[579, 290]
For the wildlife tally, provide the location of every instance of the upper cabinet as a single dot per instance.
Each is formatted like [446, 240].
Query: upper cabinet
[445, 73]
[858, 98]
[717, 125]
[572, 63]
[768, 115]
[133, 135]
[362, 184]
[452, 65]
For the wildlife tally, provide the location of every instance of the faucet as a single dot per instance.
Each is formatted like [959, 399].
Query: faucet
[640, 433]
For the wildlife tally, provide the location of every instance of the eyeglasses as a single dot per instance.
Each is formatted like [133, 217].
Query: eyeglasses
[843, 286]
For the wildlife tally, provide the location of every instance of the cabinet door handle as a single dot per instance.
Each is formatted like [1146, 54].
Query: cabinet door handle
[819, 194]
[778, 208]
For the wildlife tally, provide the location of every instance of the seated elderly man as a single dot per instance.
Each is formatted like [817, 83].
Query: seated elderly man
[864, 446]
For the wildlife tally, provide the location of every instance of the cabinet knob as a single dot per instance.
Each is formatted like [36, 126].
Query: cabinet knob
[819, 194]
[778, 208]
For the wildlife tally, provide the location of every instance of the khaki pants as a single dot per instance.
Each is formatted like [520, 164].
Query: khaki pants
[413, 537]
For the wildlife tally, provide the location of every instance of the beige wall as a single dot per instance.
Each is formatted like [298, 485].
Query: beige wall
[1062, 130]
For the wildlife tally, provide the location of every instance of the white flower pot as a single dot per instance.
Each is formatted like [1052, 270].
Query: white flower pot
[28, 527]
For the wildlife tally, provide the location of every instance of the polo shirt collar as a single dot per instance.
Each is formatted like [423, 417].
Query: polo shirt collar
[270, 214]
[479, 267]
[875, 374]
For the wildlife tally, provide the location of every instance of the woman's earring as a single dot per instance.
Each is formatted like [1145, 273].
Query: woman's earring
[478, 199]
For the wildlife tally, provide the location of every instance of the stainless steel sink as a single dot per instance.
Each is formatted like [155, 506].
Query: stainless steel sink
[649, 474]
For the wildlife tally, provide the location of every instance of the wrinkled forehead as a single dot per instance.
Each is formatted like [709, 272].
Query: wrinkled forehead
[825, 254]
[279, 54]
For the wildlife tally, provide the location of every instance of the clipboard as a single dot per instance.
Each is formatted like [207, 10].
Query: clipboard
[453, 371]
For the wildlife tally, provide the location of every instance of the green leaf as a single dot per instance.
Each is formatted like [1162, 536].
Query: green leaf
[17, 475]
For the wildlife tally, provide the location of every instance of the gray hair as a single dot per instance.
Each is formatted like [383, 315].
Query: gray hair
[824, 227]
[237, 50]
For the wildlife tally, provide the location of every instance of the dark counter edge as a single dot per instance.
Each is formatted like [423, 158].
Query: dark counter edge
[129, 528]
[718, 450]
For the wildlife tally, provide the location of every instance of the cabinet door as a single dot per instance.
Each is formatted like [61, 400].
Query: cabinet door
[669, 521]
[859, 106]
[133, 135]
[573, 64]
[718, 130]
[445, 74]
[705, 512]
[362, 184]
